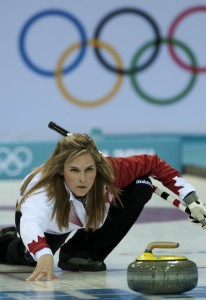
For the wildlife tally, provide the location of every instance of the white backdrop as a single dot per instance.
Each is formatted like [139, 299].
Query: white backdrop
[29, 100]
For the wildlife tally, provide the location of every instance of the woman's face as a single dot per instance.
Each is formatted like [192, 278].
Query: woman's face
[79, 174]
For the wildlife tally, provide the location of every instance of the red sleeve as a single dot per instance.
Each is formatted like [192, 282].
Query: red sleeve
[129, 168]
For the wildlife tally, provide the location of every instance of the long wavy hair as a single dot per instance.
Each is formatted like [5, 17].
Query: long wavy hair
[51, 179]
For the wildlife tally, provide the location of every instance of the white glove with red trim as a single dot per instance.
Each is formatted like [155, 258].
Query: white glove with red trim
[197, 209]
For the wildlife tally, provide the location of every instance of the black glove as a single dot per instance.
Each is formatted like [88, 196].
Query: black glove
[197, 209]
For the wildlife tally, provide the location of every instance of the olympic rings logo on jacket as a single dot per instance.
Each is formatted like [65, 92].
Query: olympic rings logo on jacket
[132, 71]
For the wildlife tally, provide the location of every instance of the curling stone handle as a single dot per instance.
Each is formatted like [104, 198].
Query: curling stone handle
[165, 245]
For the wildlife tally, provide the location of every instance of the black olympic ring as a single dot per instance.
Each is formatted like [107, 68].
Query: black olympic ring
[128, 10]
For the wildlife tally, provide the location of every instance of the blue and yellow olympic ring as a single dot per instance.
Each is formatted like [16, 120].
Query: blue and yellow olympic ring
[173, 99]
[117, 13]
[175, 23]
[102, 100]
[37, 17]
[118, 68]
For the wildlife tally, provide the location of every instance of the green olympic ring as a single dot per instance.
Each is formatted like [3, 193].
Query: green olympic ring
[173, 99]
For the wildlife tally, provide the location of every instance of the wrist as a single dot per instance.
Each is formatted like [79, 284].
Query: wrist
[42, 252]
[190, 198]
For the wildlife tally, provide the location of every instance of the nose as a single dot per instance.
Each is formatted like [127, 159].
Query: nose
[82, 177]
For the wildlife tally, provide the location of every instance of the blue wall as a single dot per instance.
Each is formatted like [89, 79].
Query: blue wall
[17, 159]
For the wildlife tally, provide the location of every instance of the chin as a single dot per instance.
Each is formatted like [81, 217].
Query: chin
[78, 193]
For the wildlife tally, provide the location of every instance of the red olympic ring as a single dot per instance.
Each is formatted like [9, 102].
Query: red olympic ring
[171, 32]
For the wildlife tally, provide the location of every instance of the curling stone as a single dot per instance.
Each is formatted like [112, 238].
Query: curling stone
[165, 275]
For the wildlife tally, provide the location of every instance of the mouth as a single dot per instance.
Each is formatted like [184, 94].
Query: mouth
[81, 187]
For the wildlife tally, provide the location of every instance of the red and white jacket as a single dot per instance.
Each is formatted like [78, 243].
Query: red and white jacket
[36, 211]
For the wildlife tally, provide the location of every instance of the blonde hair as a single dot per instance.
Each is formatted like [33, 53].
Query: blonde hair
[67, 149]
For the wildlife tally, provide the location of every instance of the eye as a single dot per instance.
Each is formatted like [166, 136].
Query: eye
[90, 169]
[74, 170]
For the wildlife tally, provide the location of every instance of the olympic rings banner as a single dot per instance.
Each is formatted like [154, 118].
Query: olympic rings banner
[121, 66]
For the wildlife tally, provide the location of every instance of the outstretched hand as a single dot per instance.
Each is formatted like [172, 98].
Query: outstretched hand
[197, 209]
[44, 269]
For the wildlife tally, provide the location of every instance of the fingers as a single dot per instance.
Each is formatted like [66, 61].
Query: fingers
[35, 276]
[44, 269]
[38, 275]
[201, 223]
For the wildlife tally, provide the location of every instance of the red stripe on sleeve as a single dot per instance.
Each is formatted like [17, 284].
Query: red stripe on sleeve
[176, 203]
[39, 245]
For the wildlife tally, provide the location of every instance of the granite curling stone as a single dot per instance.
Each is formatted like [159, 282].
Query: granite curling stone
[165, 275]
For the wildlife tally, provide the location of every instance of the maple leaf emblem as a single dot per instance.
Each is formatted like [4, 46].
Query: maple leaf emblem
[36, 246]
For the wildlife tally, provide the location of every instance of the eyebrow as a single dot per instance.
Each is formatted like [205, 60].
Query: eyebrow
[90, 166]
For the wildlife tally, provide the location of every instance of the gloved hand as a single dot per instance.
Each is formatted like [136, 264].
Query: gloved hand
[197, 209]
